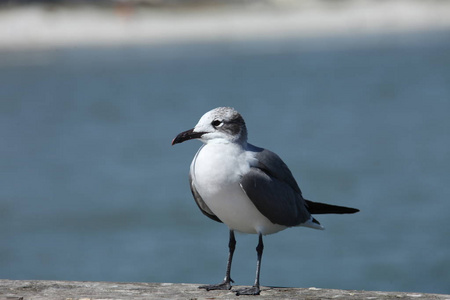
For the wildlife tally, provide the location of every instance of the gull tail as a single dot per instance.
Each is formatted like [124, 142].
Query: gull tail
[312, 223]
[322, 208]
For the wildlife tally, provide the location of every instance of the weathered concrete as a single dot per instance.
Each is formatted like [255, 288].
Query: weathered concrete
[75, 290]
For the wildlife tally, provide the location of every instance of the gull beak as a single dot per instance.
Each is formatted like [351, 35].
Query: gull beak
[187, 135]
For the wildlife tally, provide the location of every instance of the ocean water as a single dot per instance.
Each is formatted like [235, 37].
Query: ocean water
[91, 188]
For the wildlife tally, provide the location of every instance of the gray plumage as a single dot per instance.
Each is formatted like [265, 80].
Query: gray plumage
[248, 188]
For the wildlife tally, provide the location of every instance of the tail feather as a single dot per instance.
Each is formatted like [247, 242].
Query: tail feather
[312, 223]
[322, 208]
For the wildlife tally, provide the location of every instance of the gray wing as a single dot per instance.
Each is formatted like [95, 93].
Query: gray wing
[274, 191]
[200, 203]
[274, 166]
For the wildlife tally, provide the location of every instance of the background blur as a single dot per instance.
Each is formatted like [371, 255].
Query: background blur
[353, 95]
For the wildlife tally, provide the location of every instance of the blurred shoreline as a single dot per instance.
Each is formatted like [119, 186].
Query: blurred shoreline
[38, 26]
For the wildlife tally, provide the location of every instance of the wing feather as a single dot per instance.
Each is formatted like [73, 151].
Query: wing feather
[274, 198]
[200, 203]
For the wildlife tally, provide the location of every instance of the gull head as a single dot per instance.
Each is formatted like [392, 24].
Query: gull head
[220, 125]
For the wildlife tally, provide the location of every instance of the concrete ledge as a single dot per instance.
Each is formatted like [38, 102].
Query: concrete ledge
[75, 290]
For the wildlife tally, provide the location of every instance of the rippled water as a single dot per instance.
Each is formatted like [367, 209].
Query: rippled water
[92, 190]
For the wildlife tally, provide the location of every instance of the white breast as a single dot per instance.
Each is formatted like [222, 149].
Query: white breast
[216, 171]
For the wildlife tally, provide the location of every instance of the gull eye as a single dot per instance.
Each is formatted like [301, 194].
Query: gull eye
[216, 123]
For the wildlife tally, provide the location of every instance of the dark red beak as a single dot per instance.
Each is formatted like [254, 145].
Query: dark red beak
[186, 135]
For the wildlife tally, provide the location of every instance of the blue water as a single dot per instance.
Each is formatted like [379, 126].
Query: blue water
[91, 188]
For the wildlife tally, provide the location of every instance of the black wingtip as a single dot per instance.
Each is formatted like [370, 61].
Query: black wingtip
[323, 208]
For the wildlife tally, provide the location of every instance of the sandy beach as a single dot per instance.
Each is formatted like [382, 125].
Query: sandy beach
[44, 27]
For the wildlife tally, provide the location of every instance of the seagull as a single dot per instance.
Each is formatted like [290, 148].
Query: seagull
[249, 189]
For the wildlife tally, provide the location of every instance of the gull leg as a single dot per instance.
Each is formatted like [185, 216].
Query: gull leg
[254, 290]
[226, 284]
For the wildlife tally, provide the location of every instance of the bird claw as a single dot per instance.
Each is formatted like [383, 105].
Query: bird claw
[221, 286]
[254, 290]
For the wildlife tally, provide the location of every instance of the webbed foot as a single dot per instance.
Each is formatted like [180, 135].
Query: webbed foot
[254, 290]
[225, 285]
